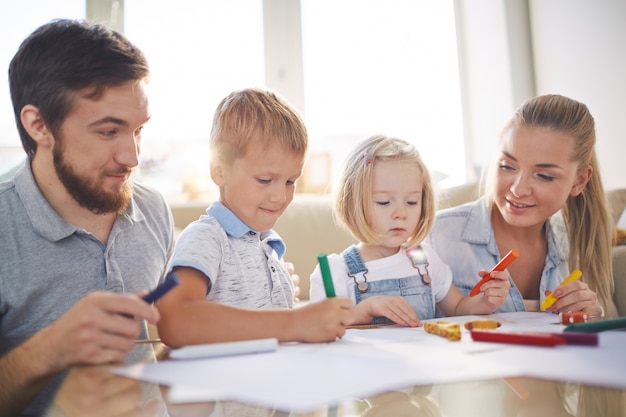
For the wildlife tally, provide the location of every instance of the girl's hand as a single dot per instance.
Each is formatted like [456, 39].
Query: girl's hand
[495, 291]
[296, 281]
[395, 308]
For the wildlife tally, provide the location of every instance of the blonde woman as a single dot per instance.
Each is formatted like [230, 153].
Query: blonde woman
[546, 164]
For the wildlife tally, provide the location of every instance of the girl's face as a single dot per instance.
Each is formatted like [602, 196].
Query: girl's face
[396, 201]
[536, 175]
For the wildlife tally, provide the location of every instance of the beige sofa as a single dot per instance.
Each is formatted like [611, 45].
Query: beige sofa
[308, 228]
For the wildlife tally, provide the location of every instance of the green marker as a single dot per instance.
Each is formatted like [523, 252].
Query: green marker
[598, 325]
[326, 277]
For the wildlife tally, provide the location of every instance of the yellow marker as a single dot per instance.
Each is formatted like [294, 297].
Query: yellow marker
[551, 299]
[451, 331]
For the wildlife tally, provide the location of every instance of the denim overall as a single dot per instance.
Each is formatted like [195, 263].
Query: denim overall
[415, 289]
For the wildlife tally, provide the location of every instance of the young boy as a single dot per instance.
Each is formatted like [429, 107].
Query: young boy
[234, 285]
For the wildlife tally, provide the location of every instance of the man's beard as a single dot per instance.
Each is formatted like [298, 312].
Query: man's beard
[90, 195]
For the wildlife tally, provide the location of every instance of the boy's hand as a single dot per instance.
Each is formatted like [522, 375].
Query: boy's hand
[323, 321]
[495, 291]
[395, 308]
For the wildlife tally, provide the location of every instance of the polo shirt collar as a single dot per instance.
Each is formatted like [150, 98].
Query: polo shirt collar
[235, 227]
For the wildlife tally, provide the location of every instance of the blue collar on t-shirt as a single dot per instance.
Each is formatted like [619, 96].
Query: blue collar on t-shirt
[236, 228]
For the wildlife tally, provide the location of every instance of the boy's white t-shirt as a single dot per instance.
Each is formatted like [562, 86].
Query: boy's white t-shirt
[244, 266]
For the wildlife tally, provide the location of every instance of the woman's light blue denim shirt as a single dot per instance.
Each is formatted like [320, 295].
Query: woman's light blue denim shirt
[463, 237]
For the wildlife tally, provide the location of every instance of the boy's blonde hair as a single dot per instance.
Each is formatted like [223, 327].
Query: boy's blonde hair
[353, 193]
[255, 114]
[589, 225]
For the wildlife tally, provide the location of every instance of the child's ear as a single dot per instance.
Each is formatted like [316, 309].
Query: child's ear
[35, 126]
[582, 179]
[217, 173]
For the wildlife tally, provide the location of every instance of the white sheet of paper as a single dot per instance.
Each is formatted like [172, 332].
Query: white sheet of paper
[367, 362]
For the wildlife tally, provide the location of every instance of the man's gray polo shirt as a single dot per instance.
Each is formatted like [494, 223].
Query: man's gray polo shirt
[47, 264]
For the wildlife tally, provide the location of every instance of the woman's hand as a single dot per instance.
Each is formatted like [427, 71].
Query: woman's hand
[576, 296]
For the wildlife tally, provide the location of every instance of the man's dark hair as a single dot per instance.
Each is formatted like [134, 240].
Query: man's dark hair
[62, 58]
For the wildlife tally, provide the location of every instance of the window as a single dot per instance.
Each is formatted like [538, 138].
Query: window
[366, 67]
[386, 66]
[17, 20]
[198, 54]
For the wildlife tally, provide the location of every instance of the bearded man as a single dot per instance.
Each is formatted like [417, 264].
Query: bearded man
[80, 240]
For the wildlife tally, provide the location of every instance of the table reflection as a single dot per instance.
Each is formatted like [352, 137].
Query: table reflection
[96, 391]
[415, 402]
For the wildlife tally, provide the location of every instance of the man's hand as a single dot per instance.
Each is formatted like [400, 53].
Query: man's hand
[100, 328]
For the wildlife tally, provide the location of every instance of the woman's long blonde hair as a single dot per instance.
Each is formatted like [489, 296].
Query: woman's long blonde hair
[589, 225]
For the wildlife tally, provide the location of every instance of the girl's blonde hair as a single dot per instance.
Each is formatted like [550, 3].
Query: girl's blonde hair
[587, 220]
[353, 193]
[255, 114]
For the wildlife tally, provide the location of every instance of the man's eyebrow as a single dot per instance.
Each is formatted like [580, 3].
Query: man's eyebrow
[109, 119]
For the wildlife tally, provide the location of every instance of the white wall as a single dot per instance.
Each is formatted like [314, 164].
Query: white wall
[512, 50]
[579, 51]
[485, 81]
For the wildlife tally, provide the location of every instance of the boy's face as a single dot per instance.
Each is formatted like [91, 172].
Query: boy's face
[259, 186]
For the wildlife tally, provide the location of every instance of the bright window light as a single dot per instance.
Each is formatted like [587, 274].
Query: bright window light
[369, 67]
[387, 66]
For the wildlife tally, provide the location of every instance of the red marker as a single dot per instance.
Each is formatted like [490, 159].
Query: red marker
[534, 338]
[501, 266]
[573, 317]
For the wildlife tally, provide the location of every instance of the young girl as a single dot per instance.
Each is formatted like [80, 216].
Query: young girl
[385, 199]
[547, 162]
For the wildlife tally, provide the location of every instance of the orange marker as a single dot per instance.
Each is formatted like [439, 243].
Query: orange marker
[501, 266]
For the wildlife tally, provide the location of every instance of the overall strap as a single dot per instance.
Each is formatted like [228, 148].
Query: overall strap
[418, 258]
[353, 260]
[355, 265]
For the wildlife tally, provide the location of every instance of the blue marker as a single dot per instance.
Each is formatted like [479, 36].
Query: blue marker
[170, 282]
